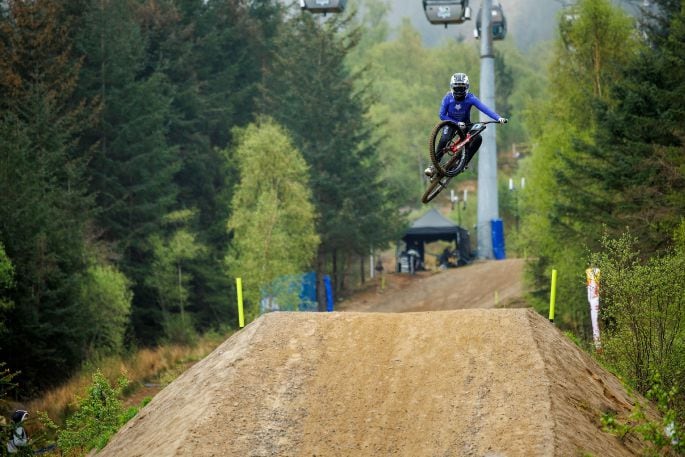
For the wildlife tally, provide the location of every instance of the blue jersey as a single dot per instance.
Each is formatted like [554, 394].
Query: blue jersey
[453, 110]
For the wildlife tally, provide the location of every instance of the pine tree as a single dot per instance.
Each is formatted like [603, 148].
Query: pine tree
[639, 156]
[211, 53]
[564, 201]
[44, 208]
[133, 166]
[317, 101]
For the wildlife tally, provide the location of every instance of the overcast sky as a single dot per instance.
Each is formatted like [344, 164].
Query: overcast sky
[529, 21]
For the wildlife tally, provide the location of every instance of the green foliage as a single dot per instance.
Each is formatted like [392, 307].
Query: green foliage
[133, 165]
[6, 282]
[644, 304]
[212, 54]
[663, 435]
[373, 26]
[179, 328]
[321, 105]
[638, 159]
[597, 42]
[6, 269]
[465, 214]
[115, 114]
[621, 168]
[564, 203]
[610, 423]
[106, 298]
[521, 85]
[170, 276]
[98, 416]
[273, 218]
[43, 206]
[6, 384]
[7, 429]
[577, 341]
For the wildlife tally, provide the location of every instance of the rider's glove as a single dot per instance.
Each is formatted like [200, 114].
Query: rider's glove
[502, 120]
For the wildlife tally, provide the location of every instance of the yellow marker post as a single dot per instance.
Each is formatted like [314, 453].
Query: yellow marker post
[241, 314]
[553, 295]
[496, 298]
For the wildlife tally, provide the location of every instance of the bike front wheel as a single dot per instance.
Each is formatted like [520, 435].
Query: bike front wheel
[448, 159]
[435, 187]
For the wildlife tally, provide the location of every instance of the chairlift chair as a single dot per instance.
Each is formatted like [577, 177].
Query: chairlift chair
[323, 6]
[447, 11]
[498, 21]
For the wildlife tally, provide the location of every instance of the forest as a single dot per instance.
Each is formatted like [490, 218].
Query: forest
[607, 182]
[154, 150]
[138, 137]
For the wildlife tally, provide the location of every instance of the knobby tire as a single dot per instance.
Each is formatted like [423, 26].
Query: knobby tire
[434, 188]
[457, 162]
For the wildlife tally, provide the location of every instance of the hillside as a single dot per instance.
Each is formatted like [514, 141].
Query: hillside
[473, 382]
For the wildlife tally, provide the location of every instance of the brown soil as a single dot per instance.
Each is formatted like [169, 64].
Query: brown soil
[464, 382]
[479, 285]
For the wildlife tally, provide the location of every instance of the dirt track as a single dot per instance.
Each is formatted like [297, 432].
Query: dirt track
[475, 382]
[478, 285]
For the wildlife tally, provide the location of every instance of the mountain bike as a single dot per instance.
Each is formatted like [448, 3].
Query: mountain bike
[451, 159]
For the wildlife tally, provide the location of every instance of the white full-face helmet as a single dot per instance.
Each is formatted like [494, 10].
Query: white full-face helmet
[459, 84]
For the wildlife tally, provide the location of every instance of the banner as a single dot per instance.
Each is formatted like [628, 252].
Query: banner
[592, 275]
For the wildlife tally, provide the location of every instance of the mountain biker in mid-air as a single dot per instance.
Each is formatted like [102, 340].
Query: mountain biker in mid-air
[456, 107]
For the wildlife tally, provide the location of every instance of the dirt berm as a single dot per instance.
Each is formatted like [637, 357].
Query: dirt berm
[472, 382]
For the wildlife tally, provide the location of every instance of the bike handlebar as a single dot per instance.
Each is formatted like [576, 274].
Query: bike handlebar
[469, 124]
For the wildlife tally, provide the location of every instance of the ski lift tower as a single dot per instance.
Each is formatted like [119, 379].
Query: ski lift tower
[456, 12]
[488, 204]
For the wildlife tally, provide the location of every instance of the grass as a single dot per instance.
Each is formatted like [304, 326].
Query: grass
[159, 365]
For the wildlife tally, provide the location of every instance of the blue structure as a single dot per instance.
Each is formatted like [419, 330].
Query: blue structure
[295, 293]
[308, 292]
[329, 293]
[498, 249]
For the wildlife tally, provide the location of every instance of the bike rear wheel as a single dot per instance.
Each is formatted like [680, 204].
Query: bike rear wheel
[447, 161]
[435, 187]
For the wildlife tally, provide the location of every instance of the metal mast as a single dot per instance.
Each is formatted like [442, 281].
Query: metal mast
[488, 206]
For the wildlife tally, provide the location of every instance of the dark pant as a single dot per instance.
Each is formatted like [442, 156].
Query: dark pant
[448, 132]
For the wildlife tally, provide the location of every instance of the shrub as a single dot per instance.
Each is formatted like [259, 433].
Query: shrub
[179, 329]
[643, 308]
[106, 297]
[664, 436]
[98, 416]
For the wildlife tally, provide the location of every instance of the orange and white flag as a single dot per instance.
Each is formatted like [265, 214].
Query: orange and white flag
[592, 275]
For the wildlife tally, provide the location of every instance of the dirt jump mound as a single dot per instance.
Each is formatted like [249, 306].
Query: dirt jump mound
[477, 382]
